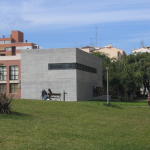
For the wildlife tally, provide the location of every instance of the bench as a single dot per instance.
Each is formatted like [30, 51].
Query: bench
[55, 96]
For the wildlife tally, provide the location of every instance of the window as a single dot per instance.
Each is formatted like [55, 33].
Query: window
[14, 88]
[78, 66]
[2, 88]
[13, 50]
[7, 48]
[3, 73]
[14, 72]
[97, 91]
[119, 55]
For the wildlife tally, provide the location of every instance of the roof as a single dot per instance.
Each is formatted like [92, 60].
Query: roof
[87, 47]
[146, 48]
[113, 48]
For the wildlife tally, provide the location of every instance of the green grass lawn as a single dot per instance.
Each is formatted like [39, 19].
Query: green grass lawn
[50, 125]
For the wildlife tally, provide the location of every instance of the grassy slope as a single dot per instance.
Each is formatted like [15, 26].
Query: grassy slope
[43, 125]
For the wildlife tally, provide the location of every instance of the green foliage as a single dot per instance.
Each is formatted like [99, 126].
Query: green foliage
[5, 104]
[106, 62]
[126, 75]
[103, 56]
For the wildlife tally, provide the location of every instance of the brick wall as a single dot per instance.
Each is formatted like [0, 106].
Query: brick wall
[8, 63]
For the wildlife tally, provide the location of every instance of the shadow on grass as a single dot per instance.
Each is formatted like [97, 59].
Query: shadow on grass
[113, 105]
[16, 115]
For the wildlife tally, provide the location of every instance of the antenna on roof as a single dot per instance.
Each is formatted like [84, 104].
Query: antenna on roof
[142, 42]
[96, 35]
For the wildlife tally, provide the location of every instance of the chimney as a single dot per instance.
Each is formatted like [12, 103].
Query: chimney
[3, 36]
[26, 41]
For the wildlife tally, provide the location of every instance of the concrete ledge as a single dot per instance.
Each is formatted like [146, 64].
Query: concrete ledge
[3, 81]
[14, 81]
[104, 97]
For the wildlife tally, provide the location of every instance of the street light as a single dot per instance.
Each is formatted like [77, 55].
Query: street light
[107, 86]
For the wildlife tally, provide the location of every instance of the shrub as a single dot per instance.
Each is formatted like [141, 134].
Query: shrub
[5, 104]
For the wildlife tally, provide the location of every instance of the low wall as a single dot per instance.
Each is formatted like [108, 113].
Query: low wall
[104, 97]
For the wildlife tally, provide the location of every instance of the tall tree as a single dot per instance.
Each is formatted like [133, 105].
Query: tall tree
[126, 75]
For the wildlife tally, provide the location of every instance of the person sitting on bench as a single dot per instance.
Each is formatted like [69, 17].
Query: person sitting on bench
[49, 92]
[44, 94]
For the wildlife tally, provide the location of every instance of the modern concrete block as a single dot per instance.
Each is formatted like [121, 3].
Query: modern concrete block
[78, 84]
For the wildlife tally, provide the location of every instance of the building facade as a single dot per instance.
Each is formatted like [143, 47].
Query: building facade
[88, 49]
[10, 59]
[141, 50]
[26, 70]
[10, 75]
[112, 52]
[14, 44]
[77, 73]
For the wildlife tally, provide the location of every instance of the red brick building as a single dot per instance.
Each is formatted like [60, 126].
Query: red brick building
[10, 58]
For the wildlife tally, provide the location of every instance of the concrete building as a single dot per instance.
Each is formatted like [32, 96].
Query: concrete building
[88, 49]
[69, 69]
[27, 70]
[141, 50]
[108, 49]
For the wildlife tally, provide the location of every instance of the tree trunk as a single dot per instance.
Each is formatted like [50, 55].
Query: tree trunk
[144, 91]
[126, 96]
[118, 97]
[131, 96]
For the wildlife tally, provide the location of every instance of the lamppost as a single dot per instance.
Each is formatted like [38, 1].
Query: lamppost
[107, 86]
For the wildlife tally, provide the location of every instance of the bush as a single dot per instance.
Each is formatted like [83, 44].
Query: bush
[5, 104]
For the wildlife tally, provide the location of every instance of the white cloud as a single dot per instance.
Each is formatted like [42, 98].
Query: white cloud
[7, 21]
[72, 13]
[67, 1]
[88, 18]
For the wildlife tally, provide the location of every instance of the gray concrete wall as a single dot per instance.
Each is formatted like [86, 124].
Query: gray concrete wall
[78, 85]
[35, 75]
[86, 80]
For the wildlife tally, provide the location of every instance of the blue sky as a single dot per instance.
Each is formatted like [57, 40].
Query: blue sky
[72, 23]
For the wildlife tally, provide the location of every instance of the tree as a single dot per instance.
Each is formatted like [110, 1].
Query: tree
[126, 75]
[106, 61]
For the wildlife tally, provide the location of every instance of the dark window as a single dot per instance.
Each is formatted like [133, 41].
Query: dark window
[81, 67]
[78, 66]
[14, 72]
[84, 68]
[74, 66]
[2, 88]
[97, 91]
[13, 50]
[3, 73]
[68, 66]
[13, 87]
[61, 66]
